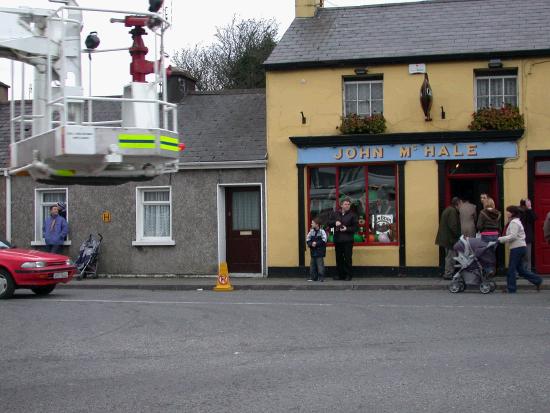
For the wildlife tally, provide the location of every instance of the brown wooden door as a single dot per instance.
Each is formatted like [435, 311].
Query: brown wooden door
[243, 229]
[542, 207]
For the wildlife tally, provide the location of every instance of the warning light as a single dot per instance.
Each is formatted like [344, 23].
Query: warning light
[181, 147]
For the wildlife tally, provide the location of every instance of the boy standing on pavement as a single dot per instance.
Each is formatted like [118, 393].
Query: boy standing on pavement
[317, 242]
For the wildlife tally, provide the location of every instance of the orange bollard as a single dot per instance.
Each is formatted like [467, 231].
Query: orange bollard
[223, 283]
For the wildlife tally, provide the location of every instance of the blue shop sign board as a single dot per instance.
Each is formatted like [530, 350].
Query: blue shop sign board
[404, 152]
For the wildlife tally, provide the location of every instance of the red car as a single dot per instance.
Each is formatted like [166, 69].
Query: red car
[36, 270]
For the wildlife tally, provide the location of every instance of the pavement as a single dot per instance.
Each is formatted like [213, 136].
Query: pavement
[278, 283]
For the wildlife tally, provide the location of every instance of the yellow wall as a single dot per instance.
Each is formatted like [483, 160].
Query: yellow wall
[421, 211]
[318, 94]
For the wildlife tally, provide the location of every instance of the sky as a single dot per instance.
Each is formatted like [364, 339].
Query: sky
[193, 23]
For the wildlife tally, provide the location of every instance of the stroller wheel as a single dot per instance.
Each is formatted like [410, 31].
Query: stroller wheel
[485, 287]
[456, 287]
[493, 285]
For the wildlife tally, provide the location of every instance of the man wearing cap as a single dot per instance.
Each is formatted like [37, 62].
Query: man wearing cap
[55, 230]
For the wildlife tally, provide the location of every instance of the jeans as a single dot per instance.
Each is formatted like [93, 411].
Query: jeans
[344, 251]
[54, 249]
[317, 268]
[516, 266]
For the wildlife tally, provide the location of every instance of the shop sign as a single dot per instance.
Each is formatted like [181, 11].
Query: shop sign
[404, 152]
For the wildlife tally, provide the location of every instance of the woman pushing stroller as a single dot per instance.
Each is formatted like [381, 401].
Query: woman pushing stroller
[515, 236]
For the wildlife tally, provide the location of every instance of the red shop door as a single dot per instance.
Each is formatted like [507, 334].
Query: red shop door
[542, 207]
[243, 230]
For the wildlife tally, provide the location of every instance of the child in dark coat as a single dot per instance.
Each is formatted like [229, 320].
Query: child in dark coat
[317, 242]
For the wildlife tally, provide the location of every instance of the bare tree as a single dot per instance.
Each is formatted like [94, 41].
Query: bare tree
[235, 59]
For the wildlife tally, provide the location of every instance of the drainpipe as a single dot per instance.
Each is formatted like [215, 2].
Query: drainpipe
[8, 204]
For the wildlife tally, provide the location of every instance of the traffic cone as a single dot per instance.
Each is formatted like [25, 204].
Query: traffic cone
[223, 283]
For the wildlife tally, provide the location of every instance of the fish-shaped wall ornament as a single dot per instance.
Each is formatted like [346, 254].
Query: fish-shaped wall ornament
[426, 97]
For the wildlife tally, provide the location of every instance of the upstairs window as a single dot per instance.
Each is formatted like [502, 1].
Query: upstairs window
[496, 90]
[364, 97]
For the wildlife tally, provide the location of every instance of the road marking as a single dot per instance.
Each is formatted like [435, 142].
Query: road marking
[260, 303]
[188, 302]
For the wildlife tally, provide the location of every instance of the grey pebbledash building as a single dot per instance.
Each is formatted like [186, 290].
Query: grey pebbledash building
[185, 223]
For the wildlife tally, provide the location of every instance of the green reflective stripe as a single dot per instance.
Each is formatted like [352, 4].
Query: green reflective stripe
[65, 172]
[126, 145]
[169, 147]
[139, 138]
[168, 140]
[126, 141]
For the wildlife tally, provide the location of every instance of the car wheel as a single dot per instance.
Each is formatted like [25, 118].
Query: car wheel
[43, 290]
[7, 286]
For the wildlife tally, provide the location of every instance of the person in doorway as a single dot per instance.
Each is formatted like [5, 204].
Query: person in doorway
[546, 228]
[317, 242]
[489, 222]
[467, 212]
[515, 236]
[528, 218]
[344, 225]
[55, 230]
[483, 198]
[448, 234]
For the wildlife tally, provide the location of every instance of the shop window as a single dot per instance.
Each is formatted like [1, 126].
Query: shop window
[44, 200]
[372, 190]
[154, 216]
[496, 91]
[363, 97]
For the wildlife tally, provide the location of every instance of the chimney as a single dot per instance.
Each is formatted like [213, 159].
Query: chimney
[180, 84]
[307, 8]
[4, 95]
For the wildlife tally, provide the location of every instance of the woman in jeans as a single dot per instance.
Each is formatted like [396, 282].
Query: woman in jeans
[489, 226]
[515, 236]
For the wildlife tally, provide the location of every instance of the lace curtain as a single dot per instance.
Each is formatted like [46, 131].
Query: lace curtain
[156, 214]
[246, 211]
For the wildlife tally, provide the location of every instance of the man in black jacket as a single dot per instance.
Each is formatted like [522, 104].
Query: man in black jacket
[528, 219]
[344, 224]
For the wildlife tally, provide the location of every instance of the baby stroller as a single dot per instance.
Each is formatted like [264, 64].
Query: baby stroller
[88, 258]
[476, 264]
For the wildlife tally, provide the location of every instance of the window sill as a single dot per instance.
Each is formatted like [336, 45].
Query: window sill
[43, 244]
[142, 243]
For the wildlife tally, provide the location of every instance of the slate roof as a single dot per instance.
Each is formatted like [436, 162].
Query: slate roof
[215, 126]
[435, 28]
[223, 126]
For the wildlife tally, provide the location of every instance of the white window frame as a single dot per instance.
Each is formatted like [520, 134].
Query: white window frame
[358, 82]
[494, 77]
[39, 219]
[151, 241]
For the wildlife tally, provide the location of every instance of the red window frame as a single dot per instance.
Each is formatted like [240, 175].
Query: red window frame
[337, 189]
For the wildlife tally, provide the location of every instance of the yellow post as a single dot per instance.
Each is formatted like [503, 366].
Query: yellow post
[223, 283]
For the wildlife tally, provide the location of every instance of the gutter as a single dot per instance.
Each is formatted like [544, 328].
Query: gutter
[451, 57]
[7, 176]
[260, 163]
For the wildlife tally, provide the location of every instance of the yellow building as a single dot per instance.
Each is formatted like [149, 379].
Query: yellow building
[372, 60]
